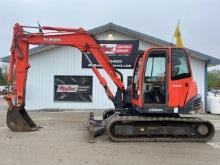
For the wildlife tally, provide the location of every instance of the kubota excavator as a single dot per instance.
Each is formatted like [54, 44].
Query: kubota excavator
[149, 110]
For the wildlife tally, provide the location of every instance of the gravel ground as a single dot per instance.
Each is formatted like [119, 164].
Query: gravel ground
[63, 140]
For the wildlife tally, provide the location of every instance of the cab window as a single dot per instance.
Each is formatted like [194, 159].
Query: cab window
[180, 64]
[155, 68]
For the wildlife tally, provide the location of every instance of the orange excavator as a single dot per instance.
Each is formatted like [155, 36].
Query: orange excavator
[150, 109]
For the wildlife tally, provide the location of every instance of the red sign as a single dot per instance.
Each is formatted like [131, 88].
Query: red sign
[124, 49]
[121, 53]
[67, 88]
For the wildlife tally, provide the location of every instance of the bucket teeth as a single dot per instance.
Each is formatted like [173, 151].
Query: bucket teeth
[18, 120]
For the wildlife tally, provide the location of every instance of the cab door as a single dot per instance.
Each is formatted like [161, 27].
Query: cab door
[180, 77]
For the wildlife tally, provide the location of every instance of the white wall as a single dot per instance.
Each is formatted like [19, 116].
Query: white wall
[40, 83]
[198, 68]
[68, 61]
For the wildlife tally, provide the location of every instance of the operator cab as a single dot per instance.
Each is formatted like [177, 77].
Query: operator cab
[161, 80]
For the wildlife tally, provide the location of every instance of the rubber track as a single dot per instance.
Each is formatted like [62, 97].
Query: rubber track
[160, 139]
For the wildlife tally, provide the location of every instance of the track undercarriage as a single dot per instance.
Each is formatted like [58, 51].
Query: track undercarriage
[125, 127]
[132, 128]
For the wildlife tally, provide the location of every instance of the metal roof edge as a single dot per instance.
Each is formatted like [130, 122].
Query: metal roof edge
[132, 33]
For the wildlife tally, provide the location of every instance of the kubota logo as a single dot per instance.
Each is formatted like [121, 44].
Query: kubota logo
[156, 110]
[50, 39]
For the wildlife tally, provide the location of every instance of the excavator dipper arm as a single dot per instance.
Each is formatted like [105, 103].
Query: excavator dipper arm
[78, 38]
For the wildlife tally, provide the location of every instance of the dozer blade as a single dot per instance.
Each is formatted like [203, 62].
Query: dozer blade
[95, 128]
[18, 120]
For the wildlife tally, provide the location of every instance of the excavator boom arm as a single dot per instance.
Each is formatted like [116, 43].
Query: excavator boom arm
[78, 38]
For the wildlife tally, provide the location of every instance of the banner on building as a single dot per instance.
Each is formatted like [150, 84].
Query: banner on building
[73, 88]
[122, 53]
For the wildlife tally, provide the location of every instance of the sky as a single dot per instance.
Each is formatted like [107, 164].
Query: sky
[199, 19]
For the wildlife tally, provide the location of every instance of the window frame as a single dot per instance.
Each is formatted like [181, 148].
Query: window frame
[135, 86]
[187, 75]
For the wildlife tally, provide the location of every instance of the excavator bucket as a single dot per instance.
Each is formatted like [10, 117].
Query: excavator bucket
[18, 120]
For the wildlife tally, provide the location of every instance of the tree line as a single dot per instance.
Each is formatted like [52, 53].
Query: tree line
[214, 79]
[4, 75]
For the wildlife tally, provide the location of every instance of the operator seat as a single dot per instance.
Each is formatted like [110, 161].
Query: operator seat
[175, 66]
